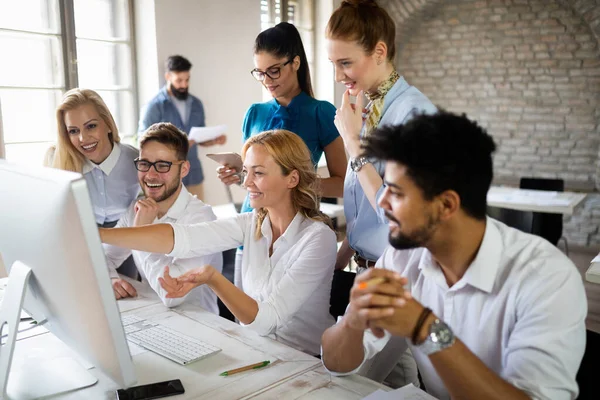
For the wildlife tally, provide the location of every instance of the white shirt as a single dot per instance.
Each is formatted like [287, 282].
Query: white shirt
[292, 287]
[520, 308]
[187, 209]
[113, 184]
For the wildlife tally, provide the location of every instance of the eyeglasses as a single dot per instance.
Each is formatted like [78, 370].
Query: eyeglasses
[159, 166]
[273, 72]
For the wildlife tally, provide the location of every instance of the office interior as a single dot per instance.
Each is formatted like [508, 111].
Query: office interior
[527, 70]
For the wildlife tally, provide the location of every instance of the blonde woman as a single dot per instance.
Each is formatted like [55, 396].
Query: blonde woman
[88, 143]
[289, 249]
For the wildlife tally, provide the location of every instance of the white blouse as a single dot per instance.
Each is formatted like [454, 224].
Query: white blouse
[292, 287]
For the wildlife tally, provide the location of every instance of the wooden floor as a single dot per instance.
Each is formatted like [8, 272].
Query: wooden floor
[581, 257]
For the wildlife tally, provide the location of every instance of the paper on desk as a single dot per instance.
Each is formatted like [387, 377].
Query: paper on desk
[408, 392]
[206, 133]
[596, 259]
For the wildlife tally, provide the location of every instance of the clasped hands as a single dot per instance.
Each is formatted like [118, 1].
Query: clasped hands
[385, 306]
[180, 286]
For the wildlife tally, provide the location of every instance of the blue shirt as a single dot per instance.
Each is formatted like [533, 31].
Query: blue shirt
[113, 184]
[367, 229]
[162, 109]
[307, 117]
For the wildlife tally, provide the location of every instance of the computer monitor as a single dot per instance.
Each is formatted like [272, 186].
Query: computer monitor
[47, 224]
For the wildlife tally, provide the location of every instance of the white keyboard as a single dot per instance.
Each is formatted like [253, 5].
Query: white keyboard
[166, 342]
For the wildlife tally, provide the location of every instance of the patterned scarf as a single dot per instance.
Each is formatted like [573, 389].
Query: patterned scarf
[375, 106]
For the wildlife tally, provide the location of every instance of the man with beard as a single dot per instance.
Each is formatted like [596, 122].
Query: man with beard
[488, 311]
[162, 166]
[174, 104]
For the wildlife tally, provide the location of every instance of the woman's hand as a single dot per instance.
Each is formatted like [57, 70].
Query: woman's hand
[181, 286]
[228, 175]
[349, 122]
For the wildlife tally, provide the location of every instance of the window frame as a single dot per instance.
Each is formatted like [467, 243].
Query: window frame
[70, 77]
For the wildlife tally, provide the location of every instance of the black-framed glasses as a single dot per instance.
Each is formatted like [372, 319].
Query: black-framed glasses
[272, 72]
[159, 166]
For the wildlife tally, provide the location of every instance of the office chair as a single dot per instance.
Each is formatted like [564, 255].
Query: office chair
[521, 220]
[340, 292]
[228, 272]
[549, 226]
[587, 376]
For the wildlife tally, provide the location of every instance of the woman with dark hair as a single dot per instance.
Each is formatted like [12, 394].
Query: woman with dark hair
[282, 68]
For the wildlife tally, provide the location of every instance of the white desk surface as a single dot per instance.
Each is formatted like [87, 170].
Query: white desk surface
[534, 200]
[593, 272]
[291, 375]
[331, 210]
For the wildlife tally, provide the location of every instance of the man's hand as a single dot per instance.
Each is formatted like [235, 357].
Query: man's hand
[403, 320]
[348, 121]
[219, 140]
[146, 211]
[122, 288]
[182, 285]
[374, 301]
[228, 175]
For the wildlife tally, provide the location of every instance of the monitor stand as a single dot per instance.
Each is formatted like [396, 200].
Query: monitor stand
[33, 379]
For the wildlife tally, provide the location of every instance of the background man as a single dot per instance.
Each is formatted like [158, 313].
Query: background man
[174, 104]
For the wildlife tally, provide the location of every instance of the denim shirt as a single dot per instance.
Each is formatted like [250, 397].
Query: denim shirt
[366, 228]
[162, 109]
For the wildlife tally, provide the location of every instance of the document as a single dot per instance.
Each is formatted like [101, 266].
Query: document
[408, 392]
[206, 133]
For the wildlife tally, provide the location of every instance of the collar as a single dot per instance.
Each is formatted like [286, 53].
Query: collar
[296, 102]
[482, 272]
[107, 165]
[177, 210]
[290, 232]
[384, 87]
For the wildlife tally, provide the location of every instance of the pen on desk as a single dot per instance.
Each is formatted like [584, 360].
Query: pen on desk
[371, 282]
[246, 368]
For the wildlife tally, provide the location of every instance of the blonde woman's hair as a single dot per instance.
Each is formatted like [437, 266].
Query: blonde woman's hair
[66, 156]
[290, 152]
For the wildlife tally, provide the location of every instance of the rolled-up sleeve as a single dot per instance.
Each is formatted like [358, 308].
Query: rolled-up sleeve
[300, 281]
[372, 345]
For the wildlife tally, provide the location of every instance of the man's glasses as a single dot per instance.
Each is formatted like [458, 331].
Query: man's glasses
[159, 166]
[273, 72]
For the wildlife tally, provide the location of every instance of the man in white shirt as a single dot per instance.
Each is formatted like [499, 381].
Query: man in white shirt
[488, 311]
[161, 166]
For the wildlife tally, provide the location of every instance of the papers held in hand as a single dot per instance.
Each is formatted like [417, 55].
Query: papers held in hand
[233, 160]
[206, 133]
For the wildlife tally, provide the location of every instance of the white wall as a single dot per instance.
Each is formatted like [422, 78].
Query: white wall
[217, 37]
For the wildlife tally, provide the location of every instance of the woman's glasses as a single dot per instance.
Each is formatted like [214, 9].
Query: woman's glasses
[159, 166]
[272, 72]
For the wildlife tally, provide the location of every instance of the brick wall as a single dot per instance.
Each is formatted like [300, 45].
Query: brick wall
[528, 71]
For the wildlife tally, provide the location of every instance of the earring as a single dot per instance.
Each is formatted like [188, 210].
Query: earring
[379, 61]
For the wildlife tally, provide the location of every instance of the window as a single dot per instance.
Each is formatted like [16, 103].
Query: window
[51, 47]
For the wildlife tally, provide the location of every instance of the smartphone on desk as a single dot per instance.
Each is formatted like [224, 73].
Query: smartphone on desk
[151, 391]
[234, 160]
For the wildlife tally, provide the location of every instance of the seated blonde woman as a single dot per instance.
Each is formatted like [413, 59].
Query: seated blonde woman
[88, 143]
[283, 286]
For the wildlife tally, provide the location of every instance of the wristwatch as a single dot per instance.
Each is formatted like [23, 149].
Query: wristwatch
[357, 163]
[440, 337]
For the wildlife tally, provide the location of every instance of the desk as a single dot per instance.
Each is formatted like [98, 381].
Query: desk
[534, 200]
[331, 210]
[292, 374]
[593, 272]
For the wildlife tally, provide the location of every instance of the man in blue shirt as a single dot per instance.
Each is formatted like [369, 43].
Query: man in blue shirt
[174, 104]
